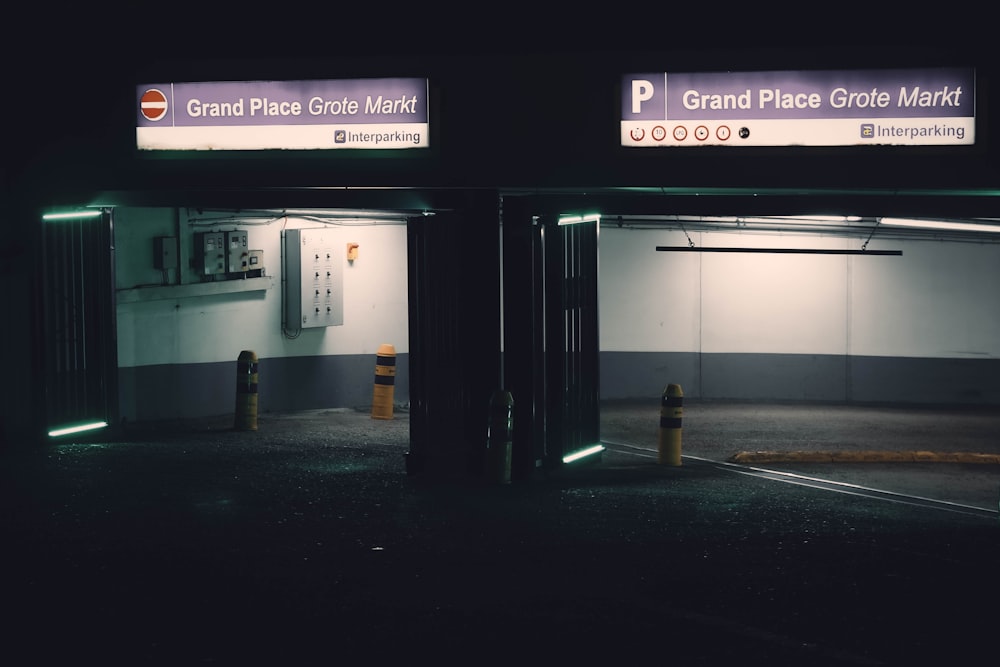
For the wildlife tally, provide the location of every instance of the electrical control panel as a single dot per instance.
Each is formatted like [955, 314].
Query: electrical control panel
[237, 252]
[226, 255]
[210, 253]
[256, 268]
[314, 295]
[165, 252]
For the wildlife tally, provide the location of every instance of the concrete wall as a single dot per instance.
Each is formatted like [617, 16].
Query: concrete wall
[920, 328]
[923, 327]
[177, 347]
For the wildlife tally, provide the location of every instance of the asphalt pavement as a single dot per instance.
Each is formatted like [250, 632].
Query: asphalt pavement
[305, 542]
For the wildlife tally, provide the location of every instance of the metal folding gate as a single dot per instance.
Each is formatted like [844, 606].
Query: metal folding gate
[551, 334]
[78, 333]
[572, 363]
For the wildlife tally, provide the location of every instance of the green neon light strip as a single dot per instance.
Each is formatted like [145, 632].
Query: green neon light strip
[79, 428]
[73, 215]
[577, 455]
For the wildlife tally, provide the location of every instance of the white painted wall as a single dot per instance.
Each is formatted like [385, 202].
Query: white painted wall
[176, 328]
[939, 299]
[648, 300]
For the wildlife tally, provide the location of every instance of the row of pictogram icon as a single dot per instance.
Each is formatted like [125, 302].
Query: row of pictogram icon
[680, 133]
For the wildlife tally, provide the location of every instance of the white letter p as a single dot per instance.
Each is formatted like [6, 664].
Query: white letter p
[641, 91]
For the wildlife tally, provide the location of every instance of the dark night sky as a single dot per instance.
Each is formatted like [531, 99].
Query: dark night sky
[69, 53]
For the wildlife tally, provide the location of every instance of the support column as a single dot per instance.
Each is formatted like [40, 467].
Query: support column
[523, 323]
[454, 332]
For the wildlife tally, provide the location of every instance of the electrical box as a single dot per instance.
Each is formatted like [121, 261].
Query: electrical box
[165, 252]
[256, 268]
[210, 253]
[314, 267]
[237, 252]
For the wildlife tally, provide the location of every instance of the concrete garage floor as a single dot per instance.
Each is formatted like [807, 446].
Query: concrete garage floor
[758, 433]
[883, 447]
[306, 543]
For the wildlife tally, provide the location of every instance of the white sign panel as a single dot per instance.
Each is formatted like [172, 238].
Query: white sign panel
[927, 107]
[293, 115]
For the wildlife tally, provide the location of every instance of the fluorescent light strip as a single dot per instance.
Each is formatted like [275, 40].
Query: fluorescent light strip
[74, 215]
[346, 213]
[80, 428]
[822, 220]
[577, 219]
[589, 451]
[941, 224]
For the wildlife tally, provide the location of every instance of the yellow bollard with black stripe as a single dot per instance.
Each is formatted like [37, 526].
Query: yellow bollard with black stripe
[671, 416]
[385, 382]
[246, 391]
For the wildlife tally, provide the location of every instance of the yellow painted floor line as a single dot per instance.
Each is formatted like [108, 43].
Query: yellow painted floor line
[863, 456]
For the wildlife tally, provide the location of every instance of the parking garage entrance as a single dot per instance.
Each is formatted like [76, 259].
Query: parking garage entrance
[519, 313]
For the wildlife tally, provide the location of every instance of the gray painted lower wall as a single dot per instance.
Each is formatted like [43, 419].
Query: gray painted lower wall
[308, 383]
[802, 377]
[181, 391]
[950, 381]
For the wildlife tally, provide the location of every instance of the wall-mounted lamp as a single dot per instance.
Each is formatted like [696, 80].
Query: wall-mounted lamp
[352, 252]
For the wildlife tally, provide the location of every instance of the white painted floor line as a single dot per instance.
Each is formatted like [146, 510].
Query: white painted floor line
[815, 482]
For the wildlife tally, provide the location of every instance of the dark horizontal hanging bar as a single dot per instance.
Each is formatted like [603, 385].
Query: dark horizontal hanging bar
[785, 251]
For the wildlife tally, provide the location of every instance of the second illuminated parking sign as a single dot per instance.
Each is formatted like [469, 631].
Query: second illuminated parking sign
[927, 107]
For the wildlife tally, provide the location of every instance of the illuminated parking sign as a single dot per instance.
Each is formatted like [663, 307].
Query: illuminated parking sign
[388, 113]
[929, 107]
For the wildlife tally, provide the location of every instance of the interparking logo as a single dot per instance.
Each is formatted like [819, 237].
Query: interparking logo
[867, 130]
[340, 137]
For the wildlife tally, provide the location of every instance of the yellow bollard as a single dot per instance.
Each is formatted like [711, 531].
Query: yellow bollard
[246, 391]
[385, 382]
[671, 415]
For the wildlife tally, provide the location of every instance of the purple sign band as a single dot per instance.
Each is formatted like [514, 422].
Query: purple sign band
[244, 103]
[925, 93]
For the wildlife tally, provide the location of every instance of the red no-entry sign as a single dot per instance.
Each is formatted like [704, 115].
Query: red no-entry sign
[153, 104]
